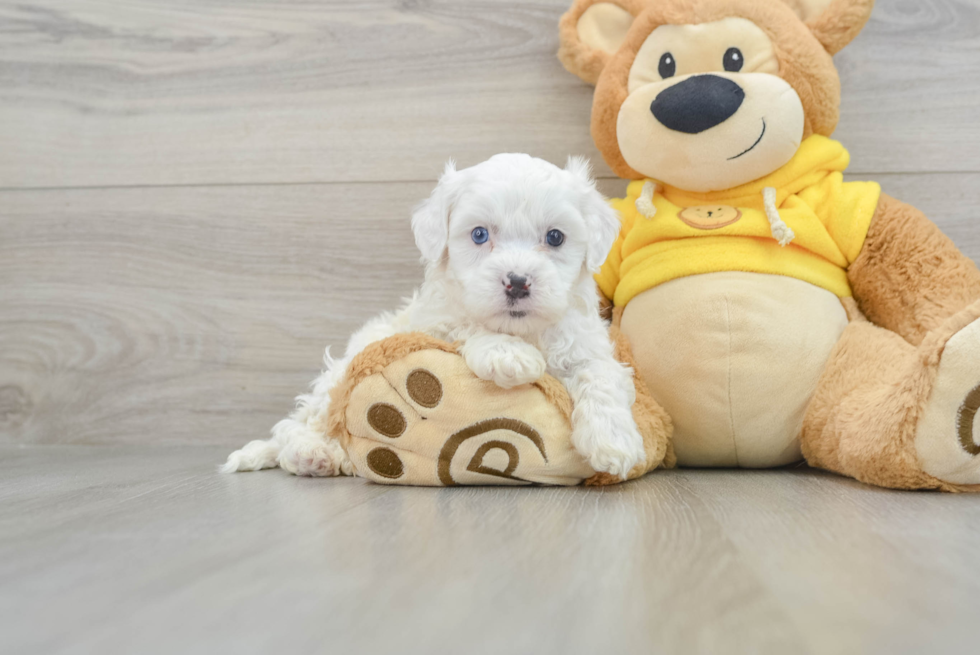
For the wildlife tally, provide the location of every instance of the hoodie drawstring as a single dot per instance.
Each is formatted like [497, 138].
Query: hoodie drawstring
[644, 204]
[780, 231]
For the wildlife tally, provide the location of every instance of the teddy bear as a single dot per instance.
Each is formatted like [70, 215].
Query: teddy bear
[775, 311]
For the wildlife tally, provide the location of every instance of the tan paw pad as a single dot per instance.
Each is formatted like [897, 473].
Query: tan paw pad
[426, 419]
[948, 435]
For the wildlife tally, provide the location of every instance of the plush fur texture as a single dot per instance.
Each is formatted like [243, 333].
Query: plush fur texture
[838, 22]
[909, 277]
[578, 58]
[518, 304]
[863, 417]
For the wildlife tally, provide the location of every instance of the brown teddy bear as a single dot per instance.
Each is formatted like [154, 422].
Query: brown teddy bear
[774, 310]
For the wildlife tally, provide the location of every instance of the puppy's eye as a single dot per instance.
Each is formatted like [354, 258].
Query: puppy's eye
[480, 235]
[733, 60]
[555, 238]
[667, 66]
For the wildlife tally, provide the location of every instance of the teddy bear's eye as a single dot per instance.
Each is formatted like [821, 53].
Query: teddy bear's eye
[734, 60]
[667, 66]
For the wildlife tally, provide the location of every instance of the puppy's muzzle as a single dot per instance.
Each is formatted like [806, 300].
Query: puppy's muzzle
[697, 104]
[516, 287]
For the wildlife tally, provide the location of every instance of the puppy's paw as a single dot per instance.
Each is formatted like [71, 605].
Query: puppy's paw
[616, 460]
[508, 364]
[610, 442]
[315, 458]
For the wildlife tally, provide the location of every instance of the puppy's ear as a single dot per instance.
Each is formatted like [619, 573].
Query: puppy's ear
[601, 220]
[835, 23]
[430, 221]
[591, 31]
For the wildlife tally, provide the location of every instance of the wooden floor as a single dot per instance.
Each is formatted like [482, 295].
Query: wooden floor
[196, 196]
[130, 549]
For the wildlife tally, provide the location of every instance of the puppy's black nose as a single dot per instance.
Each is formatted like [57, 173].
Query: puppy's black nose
[698, 103]
[517, 287]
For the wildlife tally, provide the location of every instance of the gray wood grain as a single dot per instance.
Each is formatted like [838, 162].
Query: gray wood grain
[196, 314]
[98, 93]
[149, 550]
[865, 570]
[910, 86]
[189, 313]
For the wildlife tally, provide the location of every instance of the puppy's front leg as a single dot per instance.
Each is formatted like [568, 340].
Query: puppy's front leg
[601, 388]
[506, 360]
[603, 429]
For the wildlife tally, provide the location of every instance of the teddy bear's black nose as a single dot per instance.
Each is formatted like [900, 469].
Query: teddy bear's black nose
[698, 103]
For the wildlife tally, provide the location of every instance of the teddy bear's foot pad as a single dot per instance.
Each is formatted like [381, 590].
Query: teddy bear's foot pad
[948, 435]
[426, 419]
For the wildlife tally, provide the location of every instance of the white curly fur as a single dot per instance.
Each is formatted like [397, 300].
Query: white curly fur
[512, 341]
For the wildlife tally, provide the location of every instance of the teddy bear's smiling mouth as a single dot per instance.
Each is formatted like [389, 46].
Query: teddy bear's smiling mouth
[757, 142]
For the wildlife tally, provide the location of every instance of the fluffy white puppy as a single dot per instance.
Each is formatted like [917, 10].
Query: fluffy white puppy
[509, 248]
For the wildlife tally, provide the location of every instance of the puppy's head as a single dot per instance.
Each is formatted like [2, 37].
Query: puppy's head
[515, 239]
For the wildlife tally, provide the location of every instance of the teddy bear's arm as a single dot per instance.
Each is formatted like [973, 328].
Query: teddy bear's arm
[909, 277]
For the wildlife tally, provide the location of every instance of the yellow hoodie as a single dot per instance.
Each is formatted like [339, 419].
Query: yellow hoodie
[681, 233]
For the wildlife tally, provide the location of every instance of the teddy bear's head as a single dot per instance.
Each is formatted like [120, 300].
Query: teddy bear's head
[707, 95]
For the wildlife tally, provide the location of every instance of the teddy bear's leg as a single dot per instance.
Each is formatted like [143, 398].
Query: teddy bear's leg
[410, 411]
[912, 280]
[869, 418]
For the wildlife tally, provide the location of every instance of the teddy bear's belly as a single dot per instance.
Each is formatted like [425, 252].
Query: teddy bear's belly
[734, 358]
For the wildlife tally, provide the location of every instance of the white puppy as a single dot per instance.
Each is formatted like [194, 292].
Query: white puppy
[509, 248]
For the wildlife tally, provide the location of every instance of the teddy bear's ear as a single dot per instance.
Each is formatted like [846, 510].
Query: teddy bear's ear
[835, 23]
[591, 32]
